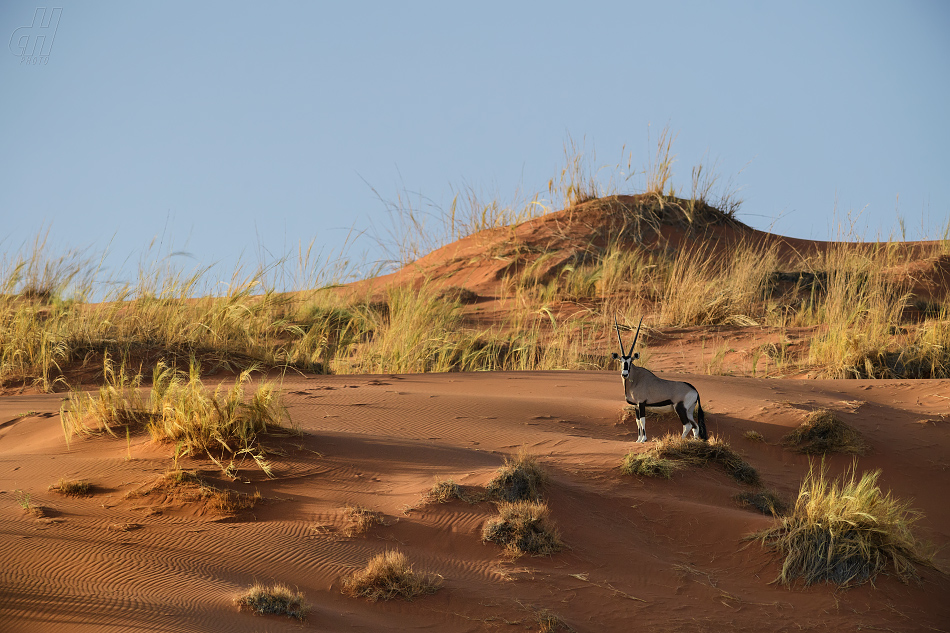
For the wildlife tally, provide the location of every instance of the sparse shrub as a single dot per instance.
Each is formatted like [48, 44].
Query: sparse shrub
[822, 432]
[765, 501]
[360, 520]
[523, 527]
[188, 486]
[78, 488]
[445, 491]
[458, 294]
[753, 436]
[387, 576]
[845, 532]
[520, 479]
[647, 465]
[696, 452]
[274, 600]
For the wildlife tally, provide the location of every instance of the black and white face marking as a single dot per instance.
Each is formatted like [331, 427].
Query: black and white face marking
[626, 362]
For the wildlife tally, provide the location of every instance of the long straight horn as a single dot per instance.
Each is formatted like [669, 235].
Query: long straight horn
[636, 336]
[619, 340]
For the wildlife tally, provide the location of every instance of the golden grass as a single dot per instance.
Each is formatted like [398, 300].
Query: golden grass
[360, 520]
[69, 487]
[822, 432]
[276, 599]
[647, 465]
[523, 527]
[845, 532]
[388, 576]
[520, 479]
[222, 425]
[674, 450]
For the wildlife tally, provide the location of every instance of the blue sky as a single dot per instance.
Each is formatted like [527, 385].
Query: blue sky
[229, 129]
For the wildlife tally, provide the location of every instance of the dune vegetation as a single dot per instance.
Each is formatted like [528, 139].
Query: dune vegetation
[846, 532]
[559, 287]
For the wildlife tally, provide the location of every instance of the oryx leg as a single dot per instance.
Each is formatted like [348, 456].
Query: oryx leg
[641, 422]
[685, 412]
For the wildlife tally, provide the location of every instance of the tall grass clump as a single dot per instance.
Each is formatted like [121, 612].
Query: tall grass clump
[702, 288]
[859, 305]
[388, 576]
[223, 425]
[274, 599]
[845, 532]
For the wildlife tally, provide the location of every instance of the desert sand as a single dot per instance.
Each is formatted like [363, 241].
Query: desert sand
[656, 555]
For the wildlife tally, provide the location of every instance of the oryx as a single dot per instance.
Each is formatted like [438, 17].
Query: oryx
[645, 391]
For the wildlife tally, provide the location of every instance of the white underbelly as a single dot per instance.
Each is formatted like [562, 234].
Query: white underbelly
[667, 408]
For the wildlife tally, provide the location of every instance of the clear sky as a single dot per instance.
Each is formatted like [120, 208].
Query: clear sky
[224, 128]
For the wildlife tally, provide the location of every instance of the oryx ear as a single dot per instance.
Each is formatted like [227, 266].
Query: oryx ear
[615, 355]
[636, 355]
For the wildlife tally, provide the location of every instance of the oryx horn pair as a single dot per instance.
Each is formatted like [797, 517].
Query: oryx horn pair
[620, 340]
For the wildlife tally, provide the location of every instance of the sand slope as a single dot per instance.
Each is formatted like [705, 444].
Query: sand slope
[652, 554]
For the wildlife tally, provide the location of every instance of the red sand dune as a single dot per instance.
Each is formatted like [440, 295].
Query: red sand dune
[642, 554]
[655, 555]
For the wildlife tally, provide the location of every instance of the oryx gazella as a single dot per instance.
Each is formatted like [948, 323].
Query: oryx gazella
[644, 390]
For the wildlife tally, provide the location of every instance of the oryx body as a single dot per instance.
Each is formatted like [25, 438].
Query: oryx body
[647, 392]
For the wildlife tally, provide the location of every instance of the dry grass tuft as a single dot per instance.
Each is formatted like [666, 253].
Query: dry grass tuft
[647, 465]
[765, 501]
[274, 600]
[445, 491]
[360, 520]
[549, 622]
[845, 532]
[696, 452]
[389, 576]
[523, 527]
[753, 436]
[77, 488]
[822, 432]
[187, 486]
[520, 479]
